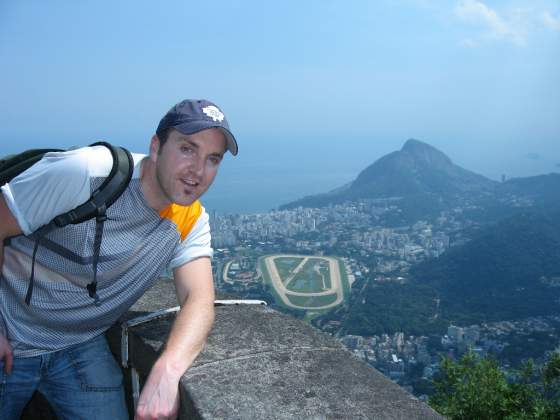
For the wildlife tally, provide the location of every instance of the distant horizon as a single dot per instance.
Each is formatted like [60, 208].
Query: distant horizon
[270, 191]
[314, 91]
[282, 178]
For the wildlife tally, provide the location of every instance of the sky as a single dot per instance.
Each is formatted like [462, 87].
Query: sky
[314, 90]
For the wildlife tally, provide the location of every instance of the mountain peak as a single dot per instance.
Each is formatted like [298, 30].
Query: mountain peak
[423, 152]
[418, 169]
[412, 144]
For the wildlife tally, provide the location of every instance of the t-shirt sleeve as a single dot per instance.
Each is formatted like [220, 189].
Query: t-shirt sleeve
[196, 244]
[56, 184]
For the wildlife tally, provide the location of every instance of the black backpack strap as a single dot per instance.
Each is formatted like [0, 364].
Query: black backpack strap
[13, 165]
[107, 193]
[101, 199]
[104, 197]
[100, 220]
[39, 234]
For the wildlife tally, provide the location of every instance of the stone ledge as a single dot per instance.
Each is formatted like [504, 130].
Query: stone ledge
[259, 363]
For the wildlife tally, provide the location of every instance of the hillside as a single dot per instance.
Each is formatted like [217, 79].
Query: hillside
[509, 271]
[417, 170]
[542, 190]
[422, 181]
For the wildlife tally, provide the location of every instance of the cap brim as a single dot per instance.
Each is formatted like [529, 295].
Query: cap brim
[192, 128]
[231, 142]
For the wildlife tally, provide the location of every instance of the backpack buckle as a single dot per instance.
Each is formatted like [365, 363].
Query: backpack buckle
[101, 213]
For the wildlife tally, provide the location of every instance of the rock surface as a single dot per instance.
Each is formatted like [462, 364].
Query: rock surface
[259, 363]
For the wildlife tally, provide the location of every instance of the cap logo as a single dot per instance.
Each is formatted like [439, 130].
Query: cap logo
[213, 113]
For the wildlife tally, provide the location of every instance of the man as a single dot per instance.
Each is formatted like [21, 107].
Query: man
[56, 344]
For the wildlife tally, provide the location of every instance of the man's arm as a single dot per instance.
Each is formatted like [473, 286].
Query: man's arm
[195, 290]
[8, 227]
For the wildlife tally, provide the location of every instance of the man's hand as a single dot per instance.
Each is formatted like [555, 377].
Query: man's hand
[159, 398]
[6, 354]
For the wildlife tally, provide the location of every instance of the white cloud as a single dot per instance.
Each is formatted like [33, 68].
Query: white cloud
[551, 21]
[476, 11]
[494, 26]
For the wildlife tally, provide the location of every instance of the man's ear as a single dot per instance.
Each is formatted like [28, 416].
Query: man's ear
[154, 148]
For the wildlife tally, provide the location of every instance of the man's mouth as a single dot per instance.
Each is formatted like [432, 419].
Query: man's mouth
[189, 182]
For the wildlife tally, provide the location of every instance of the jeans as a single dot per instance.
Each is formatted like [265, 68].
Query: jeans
[81, 382]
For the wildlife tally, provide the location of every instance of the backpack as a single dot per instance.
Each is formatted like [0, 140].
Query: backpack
[95, 207]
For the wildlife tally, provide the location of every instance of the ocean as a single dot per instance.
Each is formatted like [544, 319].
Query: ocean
[262, 178]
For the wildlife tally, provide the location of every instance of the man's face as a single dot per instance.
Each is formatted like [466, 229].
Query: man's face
[186, 165]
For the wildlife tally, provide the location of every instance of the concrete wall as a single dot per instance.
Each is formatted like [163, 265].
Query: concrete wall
[259, 363]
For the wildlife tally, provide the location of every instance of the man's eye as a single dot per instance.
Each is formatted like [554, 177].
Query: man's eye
[186, 150]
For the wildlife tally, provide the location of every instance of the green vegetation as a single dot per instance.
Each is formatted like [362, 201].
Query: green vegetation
[310, 315]
[476, 388]
[387, 308]
[312, 277]
[317, 267]
[304, 284]
[494, 277]
[286, 265]
[268, 282]
[344, 279]
[312, 301]
[522, 347]
[326, 273]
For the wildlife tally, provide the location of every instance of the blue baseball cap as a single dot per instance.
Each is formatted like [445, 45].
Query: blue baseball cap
[193, 115]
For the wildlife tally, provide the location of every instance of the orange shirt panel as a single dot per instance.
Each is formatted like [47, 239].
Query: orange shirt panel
[183, 216]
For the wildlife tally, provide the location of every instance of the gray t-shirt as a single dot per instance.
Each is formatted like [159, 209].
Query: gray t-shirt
[138, 246]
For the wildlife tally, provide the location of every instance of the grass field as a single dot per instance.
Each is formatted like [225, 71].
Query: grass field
[285, 266]
[313, 277]
[310, 280]
[268, 281]
[326, 273]
[312, 301]
[344, 280]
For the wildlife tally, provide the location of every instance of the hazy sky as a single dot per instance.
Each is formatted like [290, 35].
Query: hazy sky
[315, 90]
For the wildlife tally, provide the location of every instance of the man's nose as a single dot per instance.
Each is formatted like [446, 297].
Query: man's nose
[197, 166]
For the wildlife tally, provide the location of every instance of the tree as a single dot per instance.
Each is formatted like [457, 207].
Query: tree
[551, 383]
[475, 388]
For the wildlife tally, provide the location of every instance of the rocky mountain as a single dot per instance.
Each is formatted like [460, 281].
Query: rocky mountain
[510, 268]
[418, 169]
[422, 181]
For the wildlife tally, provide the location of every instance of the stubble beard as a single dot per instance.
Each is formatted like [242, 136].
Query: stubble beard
[165, 192]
